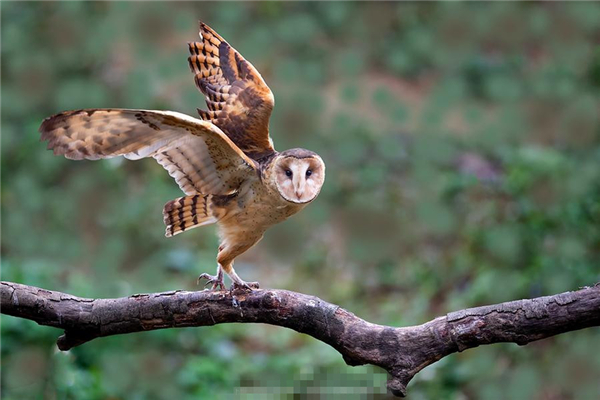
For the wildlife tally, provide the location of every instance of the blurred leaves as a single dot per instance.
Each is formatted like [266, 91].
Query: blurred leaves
[462, 143]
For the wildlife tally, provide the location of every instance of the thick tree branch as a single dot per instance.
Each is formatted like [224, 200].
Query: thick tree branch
[401, 351]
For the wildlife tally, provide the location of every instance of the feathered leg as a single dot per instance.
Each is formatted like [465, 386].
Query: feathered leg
[225, 259]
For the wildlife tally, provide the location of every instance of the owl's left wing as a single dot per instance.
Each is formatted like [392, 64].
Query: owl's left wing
[239, 101]
[196, 153]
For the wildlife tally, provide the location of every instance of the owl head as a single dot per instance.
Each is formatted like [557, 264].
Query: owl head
[298, 174]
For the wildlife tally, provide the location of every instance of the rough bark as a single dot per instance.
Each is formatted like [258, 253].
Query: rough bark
[401, 351]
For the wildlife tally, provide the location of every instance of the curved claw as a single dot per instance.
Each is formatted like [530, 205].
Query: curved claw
[244, 286]
[216, 281]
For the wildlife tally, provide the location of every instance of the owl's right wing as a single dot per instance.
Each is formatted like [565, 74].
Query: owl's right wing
[196, 153]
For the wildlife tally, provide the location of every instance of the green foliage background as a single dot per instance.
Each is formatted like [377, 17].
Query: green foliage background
[462, 143]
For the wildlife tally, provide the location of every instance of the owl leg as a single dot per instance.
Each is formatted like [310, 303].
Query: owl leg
[216, 280]
[225, 259]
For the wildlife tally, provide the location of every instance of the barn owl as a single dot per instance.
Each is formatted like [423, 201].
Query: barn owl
[224, 162]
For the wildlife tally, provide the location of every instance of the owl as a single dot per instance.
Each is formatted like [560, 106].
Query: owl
[224, 162]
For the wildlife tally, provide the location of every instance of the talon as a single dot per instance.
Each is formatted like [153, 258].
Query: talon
[244, 286]
[202, 276]
[216, 281]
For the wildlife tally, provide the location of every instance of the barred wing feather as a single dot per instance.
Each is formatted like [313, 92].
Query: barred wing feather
[196, 153]
[239, 101]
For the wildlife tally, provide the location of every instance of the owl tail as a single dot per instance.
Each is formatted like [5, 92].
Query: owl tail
[186, 213]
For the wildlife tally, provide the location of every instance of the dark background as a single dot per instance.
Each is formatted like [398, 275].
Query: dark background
[462, 143]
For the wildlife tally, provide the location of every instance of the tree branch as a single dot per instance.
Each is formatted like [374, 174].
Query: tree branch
[401, 351]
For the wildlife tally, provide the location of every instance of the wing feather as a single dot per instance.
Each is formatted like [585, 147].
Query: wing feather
[196, 153]
[238, 99]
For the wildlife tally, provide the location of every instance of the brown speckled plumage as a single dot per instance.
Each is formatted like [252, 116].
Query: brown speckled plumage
[239, 101]
[225, 162]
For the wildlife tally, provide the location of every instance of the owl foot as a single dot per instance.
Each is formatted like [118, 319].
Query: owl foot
[238, 283]
[216, 281]
[243, 286]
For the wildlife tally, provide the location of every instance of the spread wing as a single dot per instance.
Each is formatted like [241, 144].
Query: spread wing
[197, 154]
[239, 101]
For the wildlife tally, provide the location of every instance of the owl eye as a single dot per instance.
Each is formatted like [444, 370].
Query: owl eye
[308, 172]
[288, 172]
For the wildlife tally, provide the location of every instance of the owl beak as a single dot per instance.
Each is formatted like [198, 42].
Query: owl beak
[298, 190]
